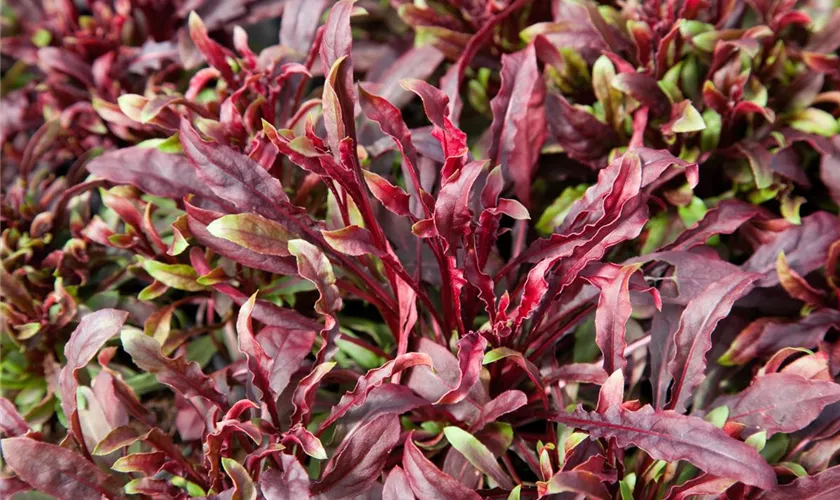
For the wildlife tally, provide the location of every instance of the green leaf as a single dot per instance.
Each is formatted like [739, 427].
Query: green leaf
[477, 454]
[253, 232]
[179, 276]
[757, 440]
[710, 136]
[690, 121]
[814, 121]
[554, 215]
[718, 416]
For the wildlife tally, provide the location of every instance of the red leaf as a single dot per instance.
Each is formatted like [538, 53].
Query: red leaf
[11, 423]
[823, 486]
[292, 483]
[780, 402]
[470, 353]
[181, 375]
[93, 331]
[518, 128]
[669, 436]
[427, 481]
[359, 459]
[257, 360]
[452, 213]
[68, 474]
[693, 337]
[392, 197]
[613, 311]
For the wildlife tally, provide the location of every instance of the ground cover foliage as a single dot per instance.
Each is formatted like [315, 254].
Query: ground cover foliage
[505, 249]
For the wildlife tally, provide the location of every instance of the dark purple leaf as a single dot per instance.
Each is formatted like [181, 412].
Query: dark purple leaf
[669, 436]
[427, 481]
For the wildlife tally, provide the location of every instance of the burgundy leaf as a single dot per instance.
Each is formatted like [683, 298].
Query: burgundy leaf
[299, 23]
[257, 360]
[693, 337]
[765, 336]
[518, 128]
[780, 402]
[427, 481]
[233, 176]
[726, 218]
[669, 436]
[470, 354]
[805, 247]
[397, 486]
[289, 484]
[181, 375]
[11, 423]
[577, 482]
[582, 136]
[57, 471]
[613, 311]
[452, 213]
[93, 331]
[823, 486]
[360, 459]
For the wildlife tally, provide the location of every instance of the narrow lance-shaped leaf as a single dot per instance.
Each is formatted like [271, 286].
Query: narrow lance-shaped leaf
[693, 337]
[669, 436]
[57, 471]
[427, 481]
[477, 453]
[470, 354]
[518, 127]
[257, 360]
[93, 331]
[613, 311]
[253, 232]
[243, 486]
[181, 375]
[360, 459]
[289, 484]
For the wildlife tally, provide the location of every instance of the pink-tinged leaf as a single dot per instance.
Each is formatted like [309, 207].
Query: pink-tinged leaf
[305, 393]
[705, 484]
[805, 247]
[780, 402]
[307, 441]
[11, 485]
[726, 218]
[181, 375]
[359, 459]
[146, 463]
[198, 221]
[669, 436]
[93, 331]
[338, 101]
[502, 404]
[765, 336]
[613, 311]
[581, 135]
[151, 171]
[417, 62]
[823, 486]
[477, 454]
[243, 486]
[830, 175]
[57, 471]
[795, 285]
[435, 101]
[427, 481]
[65, 61]
[314, 267]
[373, 379]
[299, 23]
[397, 486]
[11, 423]
[287, 349]
[644, 89]
[693, 337]
[257, 360]
[452, 213]
[352, 240]
[661, 350]
[577, 482]
[612, 392]
[391, 123]
[392, 197]
[233, 176]
[213, 53]
[254, 232]
[470, 354]
[518, 128]
[291, 483]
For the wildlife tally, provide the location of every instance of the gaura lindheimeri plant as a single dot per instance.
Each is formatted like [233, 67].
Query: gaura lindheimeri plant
[551, 250]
